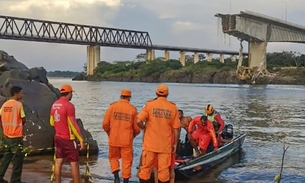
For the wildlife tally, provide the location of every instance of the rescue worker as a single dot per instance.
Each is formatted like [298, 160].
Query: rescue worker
[171, 167]
[162, 122]
[62, 117]
[215, 118]
[12, 121]
[203, 134]
[120, 123]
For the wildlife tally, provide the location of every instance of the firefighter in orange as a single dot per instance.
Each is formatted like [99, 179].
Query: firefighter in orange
[162, 122]
[12, 121]
[203, 135]
[62, 117]
[120, 123]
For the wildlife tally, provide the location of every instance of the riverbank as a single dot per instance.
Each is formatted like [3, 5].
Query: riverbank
[281, 71]
[283, 77]
[38, 169]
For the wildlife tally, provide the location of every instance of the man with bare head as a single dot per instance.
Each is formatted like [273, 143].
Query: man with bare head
[184, 120]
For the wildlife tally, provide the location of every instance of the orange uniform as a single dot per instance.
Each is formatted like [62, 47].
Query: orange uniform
[11, 117]
[203, 134]
[161, 118]
[121, 126]
[173, 157]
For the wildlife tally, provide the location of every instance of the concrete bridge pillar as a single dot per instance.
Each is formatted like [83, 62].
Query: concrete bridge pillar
[182, 58]
[222, 58]
[209, 55]
[196, 57]
[240, 58]
[233, 58]
[150, 54]
[257, 55]
[166, 55]
[93, 58]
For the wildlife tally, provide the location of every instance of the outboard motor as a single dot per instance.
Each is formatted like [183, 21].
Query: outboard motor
[227, 132]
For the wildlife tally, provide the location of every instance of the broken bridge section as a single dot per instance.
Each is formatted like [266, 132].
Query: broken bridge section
[258, 29]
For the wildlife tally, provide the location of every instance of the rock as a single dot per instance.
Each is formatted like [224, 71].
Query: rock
[2, 100]
[9, 62]
[88, 137]
[176, 76]
[37, 113]
[16, 74]
[225, 77]
[39, 74]
[39, 95]
[80, 77]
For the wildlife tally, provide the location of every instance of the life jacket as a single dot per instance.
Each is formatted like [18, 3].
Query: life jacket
[11, 120]
[212, 119]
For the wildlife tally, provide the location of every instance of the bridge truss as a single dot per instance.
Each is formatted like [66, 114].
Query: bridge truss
[15, 28]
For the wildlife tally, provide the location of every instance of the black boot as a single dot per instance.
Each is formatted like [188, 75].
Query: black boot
[125, 180]
[144, 181]
[159, 181]
[116, 177]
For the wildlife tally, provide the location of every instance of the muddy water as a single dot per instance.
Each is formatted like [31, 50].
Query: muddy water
[269, 115]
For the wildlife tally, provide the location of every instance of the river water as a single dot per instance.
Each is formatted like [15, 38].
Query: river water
[270, 115]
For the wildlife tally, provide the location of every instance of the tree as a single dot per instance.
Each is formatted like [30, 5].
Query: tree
[189, 60]
[141, 57]
[201, 56]
[85, 67]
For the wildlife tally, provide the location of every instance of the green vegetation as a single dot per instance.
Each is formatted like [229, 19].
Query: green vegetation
[57, 73]
[285, 59]
[142, 68]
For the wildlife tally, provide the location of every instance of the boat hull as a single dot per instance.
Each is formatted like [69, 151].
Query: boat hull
[211, 159]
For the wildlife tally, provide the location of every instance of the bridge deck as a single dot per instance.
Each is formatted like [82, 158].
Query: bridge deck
[25, 29]
[272, 20]
[253, 26]
[198, 50]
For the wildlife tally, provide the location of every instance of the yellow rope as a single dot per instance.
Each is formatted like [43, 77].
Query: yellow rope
[87, 173]
[276, 178]
[53, 168]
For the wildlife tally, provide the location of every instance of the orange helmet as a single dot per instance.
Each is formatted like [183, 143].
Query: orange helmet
[209, 109]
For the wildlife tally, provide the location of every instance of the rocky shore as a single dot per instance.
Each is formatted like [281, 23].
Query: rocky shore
[38, 97]
[217, 77]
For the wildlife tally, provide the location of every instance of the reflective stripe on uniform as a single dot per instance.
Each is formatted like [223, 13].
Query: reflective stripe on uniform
[14, 121]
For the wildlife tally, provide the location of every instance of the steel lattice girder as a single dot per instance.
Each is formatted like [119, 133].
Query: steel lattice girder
[56, 32]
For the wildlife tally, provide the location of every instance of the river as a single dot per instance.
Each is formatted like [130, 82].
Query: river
[270, 115]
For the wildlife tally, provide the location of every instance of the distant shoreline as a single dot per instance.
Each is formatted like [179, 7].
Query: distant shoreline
[62, 74]
[216, 77]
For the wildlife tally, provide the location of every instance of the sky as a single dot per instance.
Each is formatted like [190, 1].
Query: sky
[187, 23]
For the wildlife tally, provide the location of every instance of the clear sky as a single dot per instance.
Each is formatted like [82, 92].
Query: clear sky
[169, 22]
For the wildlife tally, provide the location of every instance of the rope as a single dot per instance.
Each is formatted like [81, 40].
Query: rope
[53, 169]
[87, 177]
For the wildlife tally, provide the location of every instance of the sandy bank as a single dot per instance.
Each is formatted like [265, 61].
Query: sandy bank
[38, 170]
